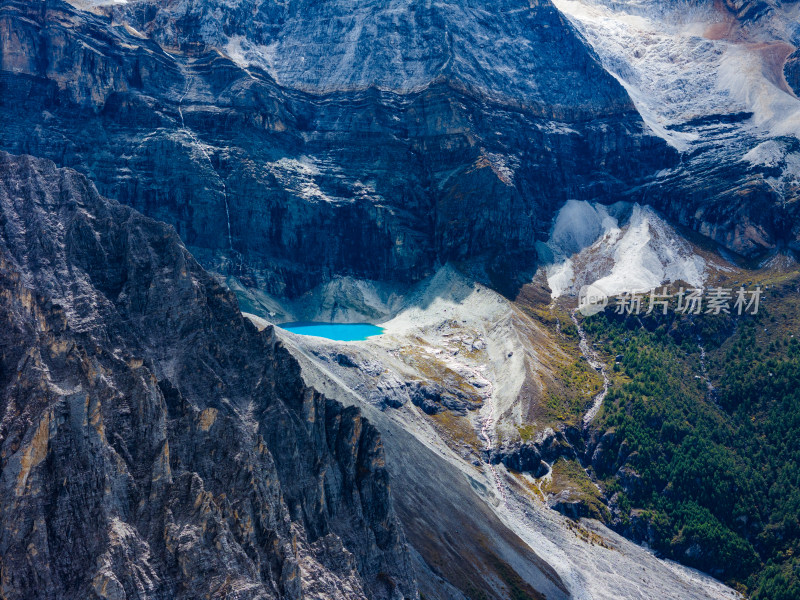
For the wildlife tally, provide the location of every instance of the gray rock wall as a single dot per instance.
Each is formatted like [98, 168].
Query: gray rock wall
[153, 444]
[382, 166]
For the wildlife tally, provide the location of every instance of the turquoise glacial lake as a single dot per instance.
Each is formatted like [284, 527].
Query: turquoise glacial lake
[343, 332]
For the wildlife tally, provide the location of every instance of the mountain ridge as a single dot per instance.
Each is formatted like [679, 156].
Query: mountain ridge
[153, 443]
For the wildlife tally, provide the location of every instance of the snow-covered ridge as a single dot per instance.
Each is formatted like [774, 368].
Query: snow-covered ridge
[89, 4]
[619, 248]
[685, 60]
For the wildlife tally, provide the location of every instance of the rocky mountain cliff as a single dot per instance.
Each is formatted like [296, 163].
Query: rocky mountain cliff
[293, 143]
[714, 80]
[153, 444]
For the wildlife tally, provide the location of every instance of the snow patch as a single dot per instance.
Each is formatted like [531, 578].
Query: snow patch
[748, 78]
[245, 53]
[647, 254]
[578, 225]
[90, 4]
[683, 61]
[299, 176]
[767, 154]
[777, 154]
[630, 248]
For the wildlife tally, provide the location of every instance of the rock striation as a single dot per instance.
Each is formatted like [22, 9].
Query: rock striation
[153, 443]
[716, 81]
[380, 146]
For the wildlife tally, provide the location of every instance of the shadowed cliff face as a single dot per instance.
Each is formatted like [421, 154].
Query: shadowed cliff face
[380, 159]
[153, 444]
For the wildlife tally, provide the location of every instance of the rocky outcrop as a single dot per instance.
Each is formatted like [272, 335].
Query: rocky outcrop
[153, 443]
[534, 457]
[523, 458]
[290, 154]
[791, 71]
[747, 9]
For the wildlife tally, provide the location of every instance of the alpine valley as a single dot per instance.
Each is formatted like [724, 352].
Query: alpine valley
[178, 178]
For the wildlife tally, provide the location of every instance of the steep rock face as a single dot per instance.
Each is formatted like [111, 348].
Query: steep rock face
[747, 9]
[153, 444]
[521, 52]
[713, 80]
[791, 71]
[202, 114]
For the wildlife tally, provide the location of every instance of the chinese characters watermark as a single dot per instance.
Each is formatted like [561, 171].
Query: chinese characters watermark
[692, 301]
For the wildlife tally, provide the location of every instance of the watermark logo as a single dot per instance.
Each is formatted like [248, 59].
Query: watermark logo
[591, 300]
[692, 301]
